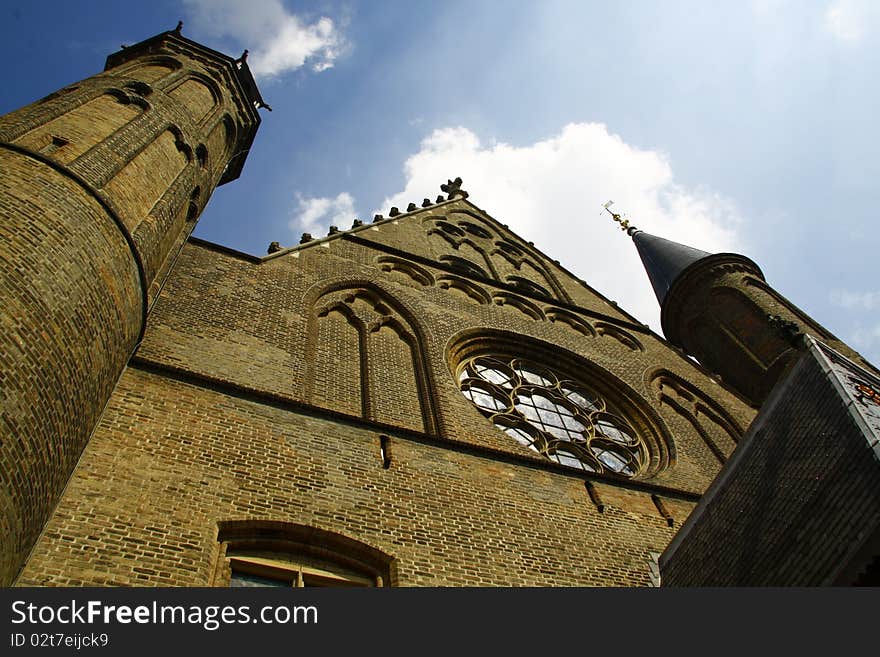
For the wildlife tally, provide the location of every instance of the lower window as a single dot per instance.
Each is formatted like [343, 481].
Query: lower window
[263, 553]
[250, 570]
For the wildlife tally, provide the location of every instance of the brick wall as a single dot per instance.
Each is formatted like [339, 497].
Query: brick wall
[720, 309]
[800, 498]
[257, 394]
[170, 460]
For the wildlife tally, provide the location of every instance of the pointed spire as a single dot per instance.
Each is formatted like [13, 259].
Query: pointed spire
[664, 260]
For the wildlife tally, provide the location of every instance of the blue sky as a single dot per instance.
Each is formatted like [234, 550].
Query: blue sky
[731, 126]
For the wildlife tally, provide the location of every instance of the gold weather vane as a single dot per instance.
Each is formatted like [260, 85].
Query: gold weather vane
[624, 223]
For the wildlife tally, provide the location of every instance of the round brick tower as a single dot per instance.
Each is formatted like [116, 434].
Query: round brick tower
[100, 185]
[720, 309]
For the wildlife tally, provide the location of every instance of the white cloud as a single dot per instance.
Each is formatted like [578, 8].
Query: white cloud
[314, 215]
[855, 300]
[551, 192]
[278, 41]
[865, 339]
[850, 20]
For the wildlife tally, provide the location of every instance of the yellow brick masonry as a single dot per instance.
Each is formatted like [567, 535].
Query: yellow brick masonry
[233, 409]
[100, 183]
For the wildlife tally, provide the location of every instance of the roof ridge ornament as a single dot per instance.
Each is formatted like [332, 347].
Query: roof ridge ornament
[624, 223]
[453, 189]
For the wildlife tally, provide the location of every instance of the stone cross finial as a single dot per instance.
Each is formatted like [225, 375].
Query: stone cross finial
[453, 189]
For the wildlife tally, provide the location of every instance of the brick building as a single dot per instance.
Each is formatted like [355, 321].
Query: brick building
[423, 399]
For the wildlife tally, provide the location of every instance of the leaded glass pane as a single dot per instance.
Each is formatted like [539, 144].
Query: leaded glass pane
[547, 415]
[612, 430]
[484, 400]
[494, 372]
[245, 580]
[582, 398]
[567, 459]
[534, 374]
[613, 461]
[544, 412]
[520, 435]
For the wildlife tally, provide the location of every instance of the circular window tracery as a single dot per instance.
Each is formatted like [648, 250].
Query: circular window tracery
[564, 420]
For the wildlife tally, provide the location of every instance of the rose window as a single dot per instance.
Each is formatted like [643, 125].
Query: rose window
[563, 420]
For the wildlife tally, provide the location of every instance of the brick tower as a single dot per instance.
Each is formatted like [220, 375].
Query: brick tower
[796, 504]
[720, 309]
[102, 183]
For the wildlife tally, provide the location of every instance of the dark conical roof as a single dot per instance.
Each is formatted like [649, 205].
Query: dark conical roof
[664, 260]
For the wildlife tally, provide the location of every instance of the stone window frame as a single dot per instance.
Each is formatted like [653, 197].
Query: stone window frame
[695, 406]
[448, 227]
[565, 421]
[417, 274]
[211, 116]
[620, 399]
[507, 248]
[389, 310]
[473, 291]
[130, 69]
[525, 306]
[473, 229]
[569, 319]
[625, 338]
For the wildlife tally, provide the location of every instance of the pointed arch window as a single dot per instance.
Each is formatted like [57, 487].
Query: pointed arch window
[356, 337]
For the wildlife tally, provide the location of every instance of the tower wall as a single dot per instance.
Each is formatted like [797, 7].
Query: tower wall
[101, 183]
[722, 311]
